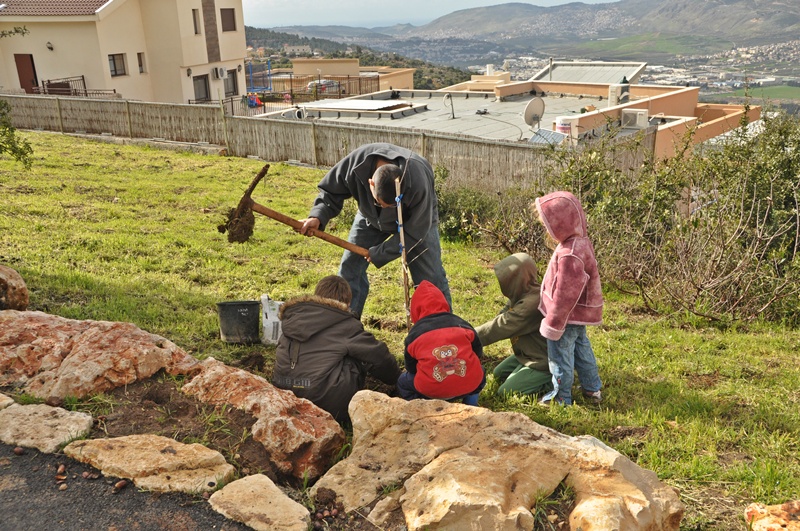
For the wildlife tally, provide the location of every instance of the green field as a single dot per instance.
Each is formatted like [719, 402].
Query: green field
[651, 47]
[780, 92]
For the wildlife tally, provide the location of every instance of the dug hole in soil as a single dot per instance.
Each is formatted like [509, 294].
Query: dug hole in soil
[35, 495]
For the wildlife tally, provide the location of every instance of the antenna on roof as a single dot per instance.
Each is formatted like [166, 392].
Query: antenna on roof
[447, 101]
[533, 112]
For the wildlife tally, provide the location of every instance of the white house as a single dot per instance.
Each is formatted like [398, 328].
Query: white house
[169, 51]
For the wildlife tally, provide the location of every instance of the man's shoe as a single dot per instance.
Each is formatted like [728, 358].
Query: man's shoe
[595, 397]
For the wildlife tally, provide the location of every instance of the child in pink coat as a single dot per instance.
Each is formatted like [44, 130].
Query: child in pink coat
[571, 299]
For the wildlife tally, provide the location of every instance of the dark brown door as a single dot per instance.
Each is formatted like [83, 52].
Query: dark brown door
[26, 71]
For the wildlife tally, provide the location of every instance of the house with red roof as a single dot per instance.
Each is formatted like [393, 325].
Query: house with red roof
[171, 51]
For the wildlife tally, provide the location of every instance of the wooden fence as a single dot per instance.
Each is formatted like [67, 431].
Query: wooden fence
[473, 162]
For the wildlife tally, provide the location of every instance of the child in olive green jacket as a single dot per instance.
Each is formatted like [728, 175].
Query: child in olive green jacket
[526, 371]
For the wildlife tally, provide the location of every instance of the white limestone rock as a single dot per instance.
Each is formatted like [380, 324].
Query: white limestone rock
[259, 504]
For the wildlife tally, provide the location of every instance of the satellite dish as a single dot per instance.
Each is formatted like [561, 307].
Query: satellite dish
[533, 112]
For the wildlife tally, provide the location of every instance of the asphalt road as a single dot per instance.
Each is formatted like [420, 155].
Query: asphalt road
[32, 497]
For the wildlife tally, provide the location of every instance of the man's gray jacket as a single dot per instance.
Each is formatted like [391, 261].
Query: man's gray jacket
[350, 178]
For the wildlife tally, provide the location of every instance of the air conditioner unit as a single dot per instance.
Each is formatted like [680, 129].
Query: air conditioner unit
[634, 119]
[618, 94]
[219, 72]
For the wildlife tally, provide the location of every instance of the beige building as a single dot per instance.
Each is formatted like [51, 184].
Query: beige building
[565, 104]
[394, 78]
[170, 51]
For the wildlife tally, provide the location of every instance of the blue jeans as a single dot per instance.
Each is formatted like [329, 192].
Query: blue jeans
[422, 265]
[407, 391]
[572, 353]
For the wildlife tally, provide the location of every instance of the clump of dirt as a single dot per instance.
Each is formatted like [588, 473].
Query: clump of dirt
[239, 224]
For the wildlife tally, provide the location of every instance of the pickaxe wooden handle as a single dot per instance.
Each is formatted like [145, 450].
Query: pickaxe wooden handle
[295, 224]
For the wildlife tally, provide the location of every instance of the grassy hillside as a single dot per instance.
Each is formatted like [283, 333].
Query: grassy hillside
[651, 47]
[120, 233]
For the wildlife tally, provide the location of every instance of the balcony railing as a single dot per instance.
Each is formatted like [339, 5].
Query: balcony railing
[71, 86]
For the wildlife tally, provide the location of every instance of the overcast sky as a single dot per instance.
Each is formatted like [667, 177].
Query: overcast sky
[364, 13]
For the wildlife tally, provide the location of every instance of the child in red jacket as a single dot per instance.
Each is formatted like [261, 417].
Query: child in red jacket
[442, 352]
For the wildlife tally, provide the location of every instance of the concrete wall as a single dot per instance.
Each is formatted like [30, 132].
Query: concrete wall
[120, 31]
[76, 51]
[325, 67]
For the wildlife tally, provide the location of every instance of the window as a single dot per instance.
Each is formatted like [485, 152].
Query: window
[231, 84]
[116, 63]
[196, 20]
[140, 58]
[201, 88]
[228, 16]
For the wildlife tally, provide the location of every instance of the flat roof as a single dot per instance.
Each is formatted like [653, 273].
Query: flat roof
[476, 114]
[591, 72]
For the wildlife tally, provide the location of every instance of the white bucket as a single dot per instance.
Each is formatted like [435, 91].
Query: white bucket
[272, 325]
[564, 125]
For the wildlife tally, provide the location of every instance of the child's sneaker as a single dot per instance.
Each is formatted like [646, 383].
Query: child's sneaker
[595, 397]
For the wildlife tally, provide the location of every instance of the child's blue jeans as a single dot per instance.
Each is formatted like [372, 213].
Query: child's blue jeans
[572, 353]
[406, 390]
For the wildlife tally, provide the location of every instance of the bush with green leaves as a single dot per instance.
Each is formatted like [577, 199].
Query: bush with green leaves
[10, 141]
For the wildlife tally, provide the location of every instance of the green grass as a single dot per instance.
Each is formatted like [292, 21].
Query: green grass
[780, 92]
[119, 233]
[652, 44]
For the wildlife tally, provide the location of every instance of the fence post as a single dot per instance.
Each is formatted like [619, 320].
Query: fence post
[314, 143]
[60, 119]
[224, 128]
[128, 116]
[423, 145]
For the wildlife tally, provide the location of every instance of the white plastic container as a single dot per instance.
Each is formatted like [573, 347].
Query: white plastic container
[271, 323]
[564, 124]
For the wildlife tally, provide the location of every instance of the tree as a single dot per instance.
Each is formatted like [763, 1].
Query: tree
[10, 141]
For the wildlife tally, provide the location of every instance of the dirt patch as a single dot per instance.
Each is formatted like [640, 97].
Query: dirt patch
[703, 381]
[620, 433]
[157, 406]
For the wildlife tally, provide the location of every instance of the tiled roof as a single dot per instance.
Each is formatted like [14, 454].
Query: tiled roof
[43, 8]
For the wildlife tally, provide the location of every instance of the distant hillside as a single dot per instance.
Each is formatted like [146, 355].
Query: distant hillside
[746, 21]
[654, 29]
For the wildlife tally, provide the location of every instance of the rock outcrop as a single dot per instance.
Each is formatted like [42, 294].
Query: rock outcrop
[155, 463]
[462, 467]
[300, 437]
[259, 504]
[52, 357]
[13, 291]
[784, 517]
[41, 426]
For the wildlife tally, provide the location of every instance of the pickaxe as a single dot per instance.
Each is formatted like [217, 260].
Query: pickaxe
[241, 221]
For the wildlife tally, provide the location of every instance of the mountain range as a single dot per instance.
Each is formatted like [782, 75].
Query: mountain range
[643, 29]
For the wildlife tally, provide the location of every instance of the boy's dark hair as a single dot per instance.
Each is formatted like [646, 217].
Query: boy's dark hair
[334, 287]
[384, 182]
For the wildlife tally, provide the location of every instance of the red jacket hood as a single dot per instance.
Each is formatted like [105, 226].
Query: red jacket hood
[427, 300]
[562, 215]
